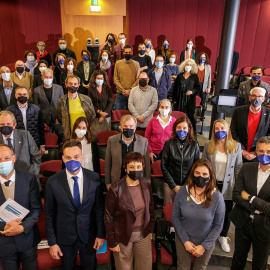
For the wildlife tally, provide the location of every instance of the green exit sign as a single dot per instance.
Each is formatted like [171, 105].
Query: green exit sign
[94, 2]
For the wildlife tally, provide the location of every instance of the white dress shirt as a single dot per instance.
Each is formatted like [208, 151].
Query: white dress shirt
[88, 156]
[162, 122]
[12, 178]
[23, 111]
[5, 139]
[71, 182]
[8, 92]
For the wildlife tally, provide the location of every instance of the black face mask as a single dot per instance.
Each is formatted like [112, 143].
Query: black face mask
[128, 132]
[20, 69]
[6, 130]
[201, 181]
[141, 52]
[128, 56]
[72, 89]
[110, 40]
[142, 82]
[22, 99]
[134, 175]
[256, 102]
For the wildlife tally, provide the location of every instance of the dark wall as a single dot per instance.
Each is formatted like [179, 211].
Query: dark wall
[25, 22]
[201, 20]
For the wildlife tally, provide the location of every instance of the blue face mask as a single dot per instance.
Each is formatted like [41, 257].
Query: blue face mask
[99, 82]
[6, 167]
[104, 58]
[264, 159]
[148, 46]
[63, 46]
[73, 165]
[159, 64]
[256, 78]
[182, 134]
[165, 46]
[221, 134]
[85, 57]
[202, 60]
[61, 61]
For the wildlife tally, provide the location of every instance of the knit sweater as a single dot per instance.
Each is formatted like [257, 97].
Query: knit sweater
[27, 81]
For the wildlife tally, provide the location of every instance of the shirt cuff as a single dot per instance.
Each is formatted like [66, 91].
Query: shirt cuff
[252, 198]
[42, 145]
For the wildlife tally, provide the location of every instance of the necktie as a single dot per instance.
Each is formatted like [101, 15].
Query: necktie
[76, 192]
[7, 183]
[9, 142]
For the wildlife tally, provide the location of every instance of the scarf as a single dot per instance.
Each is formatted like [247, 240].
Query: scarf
[103, 67]
[31, 66]
[41, 56]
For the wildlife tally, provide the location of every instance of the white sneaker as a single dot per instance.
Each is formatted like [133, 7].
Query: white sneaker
[224, 243]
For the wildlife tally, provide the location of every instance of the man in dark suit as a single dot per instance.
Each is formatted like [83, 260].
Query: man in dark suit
[7, 89]
[250, 123]
[251, 214]
[18, 238]
[74, 209]
[28, 155]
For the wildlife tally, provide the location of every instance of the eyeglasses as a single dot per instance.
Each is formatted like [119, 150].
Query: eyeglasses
[254, 96]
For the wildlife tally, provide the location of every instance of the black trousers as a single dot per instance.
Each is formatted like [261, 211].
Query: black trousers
[27, 259]
[244, 237]
[86, 252]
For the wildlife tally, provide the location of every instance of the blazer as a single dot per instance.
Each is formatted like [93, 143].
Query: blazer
[207, 77]
[247, 180]
[120, 214]
[233, 166]
[3, 99]
[182, 55]
[80, 68]
[48, 109]
[64, 223]
[28, 157]
[27, 195]
[245, 88]
[239, 126]
[113, 157]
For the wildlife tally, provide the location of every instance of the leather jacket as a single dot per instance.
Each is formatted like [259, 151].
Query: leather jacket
[177, 160]
[119, 214]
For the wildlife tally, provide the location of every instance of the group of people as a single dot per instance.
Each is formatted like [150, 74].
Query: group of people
[76, 102]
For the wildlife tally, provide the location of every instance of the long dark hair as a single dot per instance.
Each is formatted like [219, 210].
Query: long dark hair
[100, 55]
[190, 136]
[95, 74]
[209, 187]
[114, 42]
[88, 134]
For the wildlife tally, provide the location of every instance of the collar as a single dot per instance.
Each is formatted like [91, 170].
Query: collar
[258, 84]
[259, 168]
[127, 62]
[12, 178]
[11, 86]
[18, 74]
[69, 175]
[253, 111]
[11, 136]
[122, 140]
[159, 118]
[144, 90]
[72, 98]
[22, 108]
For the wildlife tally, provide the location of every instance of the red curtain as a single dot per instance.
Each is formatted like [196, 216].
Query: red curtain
[179, 20]
[25, 22]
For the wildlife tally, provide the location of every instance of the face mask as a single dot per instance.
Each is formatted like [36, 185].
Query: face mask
[48, 82]
[73, 165]
[20, 69]
[99, 82]
[62, 47]
[70, 67]
[134, 175]
[172, 60]
[42, 68]
[256, 102]
[141, 52]
[128, 132]
[256, 78]
[189, 46]
[6, 130]
[80, 133]
[159, 64]
[142, 82]
[122, 41]
[200, 181]
[187, 68]
[22, 99]
[110, 40]
[148, 46]
[202, 60]
[85, 57]
[30, 58]
[41, 48]
[221, 134]
[61, 61]
[164, 112]
[6, 77]
[182, 134]
[104, 58]
[72, 89]
[128, 56]
[165, 46]
[6, 167]
[264, 159]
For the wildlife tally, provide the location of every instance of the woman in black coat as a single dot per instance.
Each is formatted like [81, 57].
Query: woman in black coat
[185, 89]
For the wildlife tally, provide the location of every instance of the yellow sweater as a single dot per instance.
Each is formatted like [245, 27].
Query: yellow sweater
[75, 110]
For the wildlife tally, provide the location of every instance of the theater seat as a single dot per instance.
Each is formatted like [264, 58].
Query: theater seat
[265, 79]
[116, 116]
[266, 72]
[177, 114]
[157, 184]
[140, 132]
[102, 138]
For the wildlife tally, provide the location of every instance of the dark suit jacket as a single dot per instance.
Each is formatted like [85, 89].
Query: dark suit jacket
[64, 223]
[239, 126]
[247, 180]
[80, 68]
[27, 195]
[3, 99]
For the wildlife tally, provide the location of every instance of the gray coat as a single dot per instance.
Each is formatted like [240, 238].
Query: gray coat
[234, 164]
[113, 158]
[28, 157]
[48, 109]
[207, 77]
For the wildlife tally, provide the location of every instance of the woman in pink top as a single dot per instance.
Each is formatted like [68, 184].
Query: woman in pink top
[159, 129]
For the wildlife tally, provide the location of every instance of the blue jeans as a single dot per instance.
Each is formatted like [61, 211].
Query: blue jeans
[120, 102]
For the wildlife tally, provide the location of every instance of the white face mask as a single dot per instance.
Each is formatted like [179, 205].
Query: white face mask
[48, 82]
[122, 41]
[164, 112]
[80, 133]
[189, 46]
[188, 68]
[70, 67]
[30, 58]
[6, 77]
[42, 68]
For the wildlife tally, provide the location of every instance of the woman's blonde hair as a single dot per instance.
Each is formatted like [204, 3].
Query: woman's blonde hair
[194, 68]
[230, 143]
[148, 39]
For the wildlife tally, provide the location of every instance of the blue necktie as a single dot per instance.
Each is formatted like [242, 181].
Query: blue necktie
[9, 142]
[76, 192]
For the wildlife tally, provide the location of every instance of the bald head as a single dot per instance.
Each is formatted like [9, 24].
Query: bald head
[4, 69]
[19, 65]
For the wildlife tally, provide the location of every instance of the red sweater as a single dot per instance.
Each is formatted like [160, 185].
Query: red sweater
[253, 122]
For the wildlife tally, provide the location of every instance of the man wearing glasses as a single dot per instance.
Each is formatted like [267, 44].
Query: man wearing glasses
[250, 123]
